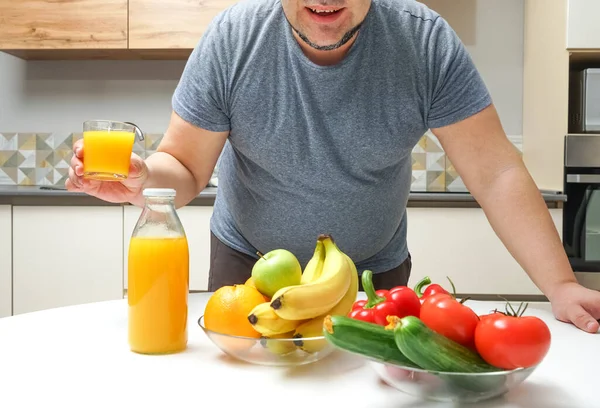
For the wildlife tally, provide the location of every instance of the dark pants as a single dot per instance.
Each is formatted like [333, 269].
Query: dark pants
[230, 267]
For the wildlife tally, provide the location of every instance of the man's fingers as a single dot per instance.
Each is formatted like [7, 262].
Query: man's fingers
[78, 149]
[582, 319]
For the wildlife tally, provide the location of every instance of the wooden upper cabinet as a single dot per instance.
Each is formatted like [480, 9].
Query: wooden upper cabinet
[63, 24]
[160, 24]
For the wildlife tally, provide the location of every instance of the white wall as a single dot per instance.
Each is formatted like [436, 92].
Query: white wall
[57, 96]
[492, 31]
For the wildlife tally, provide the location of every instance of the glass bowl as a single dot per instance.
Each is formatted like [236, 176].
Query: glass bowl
[270, 352]
[450, 387]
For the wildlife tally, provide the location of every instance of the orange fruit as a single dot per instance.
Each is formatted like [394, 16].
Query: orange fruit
[250, 282]
[228, 308]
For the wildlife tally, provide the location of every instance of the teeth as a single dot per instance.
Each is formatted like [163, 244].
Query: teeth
[323, 11]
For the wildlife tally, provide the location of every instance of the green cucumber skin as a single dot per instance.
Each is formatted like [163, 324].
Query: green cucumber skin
[435, 352]
[367, 339]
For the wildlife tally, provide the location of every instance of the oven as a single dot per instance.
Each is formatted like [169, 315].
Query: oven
[581, 211]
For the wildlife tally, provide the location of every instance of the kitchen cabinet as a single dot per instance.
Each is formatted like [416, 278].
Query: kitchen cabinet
[5, 261]
[460, 243]
[51, 24]
[155, 24]
[196, 223]
[583, 30]
[66, 255]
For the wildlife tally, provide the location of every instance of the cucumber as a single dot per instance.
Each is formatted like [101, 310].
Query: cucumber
[366, 339]
[435, 352]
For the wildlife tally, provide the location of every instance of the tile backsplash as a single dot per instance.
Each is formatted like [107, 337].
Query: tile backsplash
[43, 159]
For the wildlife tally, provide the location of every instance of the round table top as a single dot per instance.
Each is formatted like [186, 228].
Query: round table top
[78, 356]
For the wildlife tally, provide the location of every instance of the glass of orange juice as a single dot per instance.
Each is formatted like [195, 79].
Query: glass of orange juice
[107, 149]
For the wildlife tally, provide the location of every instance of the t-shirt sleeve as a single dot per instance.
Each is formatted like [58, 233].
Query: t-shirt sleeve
[456, 89]
[200, 95]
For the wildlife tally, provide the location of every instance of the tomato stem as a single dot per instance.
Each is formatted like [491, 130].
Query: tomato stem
[453, 287]
[513, 312]
[367, 283]
[419, 286]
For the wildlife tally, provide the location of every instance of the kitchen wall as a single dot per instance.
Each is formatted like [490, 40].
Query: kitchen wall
[43, 103]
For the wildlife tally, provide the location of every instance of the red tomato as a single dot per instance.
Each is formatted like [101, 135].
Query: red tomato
[511, 342]
[448, 317]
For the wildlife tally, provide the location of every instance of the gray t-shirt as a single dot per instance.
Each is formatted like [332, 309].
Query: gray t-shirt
[324, 149]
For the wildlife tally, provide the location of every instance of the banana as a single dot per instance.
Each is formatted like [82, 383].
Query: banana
[265, 321]
[280, 348]
[314, 267]
[314, 327]
[301, 302]
[307, 330]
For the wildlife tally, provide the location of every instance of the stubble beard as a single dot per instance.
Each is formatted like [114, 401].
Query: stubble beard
[346, 37]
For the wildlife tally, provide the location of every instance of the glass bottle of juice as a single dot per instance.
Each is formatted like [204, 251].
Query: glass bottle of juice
[158, 277]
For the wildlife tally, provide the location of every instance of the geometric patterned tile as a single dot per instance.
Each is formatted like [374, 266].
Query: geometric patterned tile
[436, 180]
[428, 165]
[8, 176]
[28, 159]
[8, 141]
[44, 176]
[419, 180]
[26, 141]
[60, 176]
[26, 177]
[152, 140]
[43, 158]
[44, 141]
[453, 181]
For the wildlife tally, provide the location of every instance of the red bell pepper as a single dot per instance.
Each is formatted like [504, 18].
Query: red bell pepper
[406, 301]
[405, 298]
[376, 308]
[430, 290]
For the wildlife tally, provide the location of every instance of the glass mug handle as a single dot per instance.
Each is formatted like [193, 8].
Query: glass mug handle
[137, 130]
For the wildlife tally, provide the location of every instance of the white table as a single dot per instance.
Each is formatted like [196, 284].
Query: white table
[78, 357]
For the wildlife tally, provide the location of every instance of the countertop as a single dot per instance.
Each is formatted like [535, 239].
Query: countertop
[50, 195]
[78, 356]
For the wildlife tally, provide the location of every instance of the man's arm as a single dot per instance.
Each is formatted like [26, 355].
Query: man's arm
[494, 173]
[184, 160]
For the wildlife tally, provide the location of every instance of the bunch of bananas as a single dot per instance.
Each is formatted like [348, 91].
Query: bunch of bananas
[329, 286]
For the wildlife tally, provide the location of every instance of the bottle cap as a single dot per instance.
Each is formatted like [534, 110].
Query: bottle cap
[159, 192]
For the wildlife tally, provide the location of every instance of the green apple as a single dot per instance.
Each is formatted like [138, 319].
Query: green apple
[275, 270]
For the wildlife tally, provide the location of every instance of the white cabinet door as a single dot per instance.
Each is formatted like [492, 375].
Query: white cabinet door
[66, 255]
[5, 261]
[196, 222]
[460, 243]
[583, 30]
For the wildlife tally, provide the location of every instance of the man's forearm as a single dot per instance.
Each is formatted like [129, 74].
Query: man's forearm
[519, 216]
[165, 171]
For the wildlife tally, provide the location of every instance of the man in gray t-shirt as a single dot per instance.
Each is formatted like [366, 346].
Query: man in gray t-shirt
[314, 107]
[319, 148]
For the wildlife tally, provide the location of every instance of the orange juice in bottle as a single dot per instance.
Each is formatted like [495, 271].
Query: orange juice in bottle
[158, 277]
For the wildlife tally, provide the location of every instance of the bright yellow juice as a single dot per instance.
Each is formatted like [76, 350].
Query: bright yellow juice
[158, 281]
[107, 154]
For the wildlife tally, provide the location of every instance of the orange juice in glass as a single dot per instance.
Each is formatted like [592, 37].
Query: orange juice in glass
[158, 278]
[107, 149]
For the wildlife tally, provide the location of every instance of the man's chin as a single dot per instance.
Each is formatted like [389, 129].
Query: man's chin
[328, 45]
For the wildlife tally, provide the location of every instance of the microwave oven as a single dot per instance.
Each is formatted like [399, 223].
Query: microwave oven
[584, 101]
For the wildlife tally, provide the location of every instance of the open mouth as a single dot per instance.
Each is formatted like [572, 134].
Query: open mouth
[324, 11]
[325, 14]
